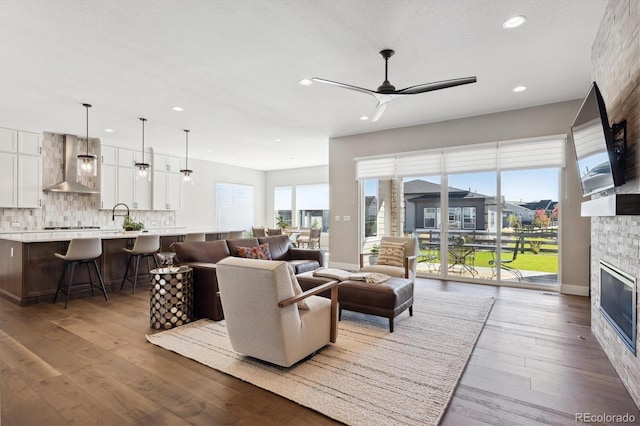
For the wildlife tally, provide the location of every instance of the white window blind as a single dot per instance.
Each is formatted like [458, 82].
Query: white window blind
[418, 164]
[546, 151]
[471, 158]
[312, 197]
[234, 206]
[380, 168]
[531, 154]
[282, 197]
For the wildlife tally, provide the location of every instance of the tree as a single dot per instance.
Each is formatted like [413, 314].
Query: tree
[541, 219]
[513, 221]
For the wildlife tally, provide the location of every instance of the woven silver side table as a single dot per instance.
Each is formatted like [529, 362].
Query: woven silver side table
[171, 298]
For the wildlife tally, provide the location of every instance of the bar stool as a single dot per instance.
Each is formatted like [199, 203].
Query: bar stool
[81, 250]
[195, 236]
[145, 246]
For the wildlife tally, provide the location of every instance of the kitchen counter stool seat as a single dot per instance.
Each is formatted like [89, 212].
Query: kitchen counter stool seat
[81, 250]
[144, 247]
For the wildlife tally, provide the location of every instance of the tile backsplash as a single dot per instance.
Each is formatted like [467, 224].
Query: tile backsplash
[70, 209]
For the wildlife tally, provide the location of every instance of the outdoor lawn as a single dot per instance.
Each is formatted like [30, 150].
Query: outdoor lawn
[527, 261]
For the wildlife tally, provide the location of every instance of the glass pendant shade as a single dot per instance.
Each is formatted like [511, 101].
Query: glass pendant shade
[87, 163]
[143, 168]
[187, 174]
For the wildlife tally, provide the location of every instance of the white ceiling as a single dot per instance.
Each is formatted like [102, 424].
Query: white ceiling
[234, 66]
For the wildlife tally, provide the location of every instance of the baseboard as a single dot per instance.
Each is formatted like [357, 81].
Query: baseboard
[345, 266]
[575, 290]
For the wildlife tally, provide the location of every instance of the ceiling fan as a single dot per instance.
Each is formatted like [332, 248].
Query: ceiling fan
[387, 92]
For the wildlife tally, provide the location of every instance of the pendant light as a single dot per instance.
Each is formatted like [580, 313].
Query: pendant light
[186, 172]
[87, 163]
[143, 168]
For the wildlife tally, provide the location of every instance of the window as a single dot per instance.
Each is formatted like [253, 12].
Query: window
[282, 203]
[312, 204]
[496, 194]
[469, 218]
[371, 207]
[454, 217]
[430, 218]
[234, 206]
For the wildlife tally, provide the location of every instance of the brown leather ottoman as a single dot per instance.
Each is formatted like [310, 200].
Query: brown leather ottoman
[387, 299]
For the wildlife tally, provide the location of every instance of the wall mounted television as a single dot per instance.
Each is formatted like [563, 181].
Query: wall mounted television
[600, 155]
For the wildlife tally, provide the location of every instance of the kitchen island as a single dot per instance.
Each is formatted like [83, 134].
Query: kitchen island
[29, 271]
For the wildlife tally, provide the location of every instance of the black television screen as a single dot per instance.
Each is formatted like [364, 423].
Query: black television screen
[599, 165]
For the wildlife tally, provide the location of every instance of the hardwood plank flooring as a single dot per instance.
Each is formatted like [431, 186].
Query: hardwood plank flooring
[535, 363]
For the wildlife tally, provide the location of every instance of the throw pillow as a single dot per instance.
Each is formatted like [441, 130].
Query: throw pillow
[391, 254]
[256, 252]
[297, 289]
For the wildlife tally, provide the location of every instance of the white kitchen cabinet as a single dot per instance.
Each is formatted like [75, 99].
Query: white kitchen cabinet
[108, 186]
[120, 182]
[29, 181]
[135, 192]
[8, 140]
[166, 182]
[166, 191]
[166, 163]
[29, 143]
[109, 155]
[8, 179]
[20, 169]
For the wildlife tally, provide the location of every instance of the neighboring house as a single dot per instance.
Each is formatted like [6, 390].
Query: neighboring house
[525, 214]
[467, 210]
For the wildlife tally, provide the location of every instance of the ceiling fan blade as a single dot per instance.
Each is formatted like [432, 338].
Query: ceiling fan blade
[436, 85]
[379, 111]
[345, 86]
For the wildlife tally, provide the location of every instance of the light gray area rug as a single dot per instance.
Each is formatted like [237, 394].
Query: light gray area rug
[369, 376]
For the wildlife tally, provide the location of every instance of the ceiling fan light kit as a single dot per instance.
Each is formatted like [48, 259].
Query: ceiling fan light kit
[386, 92]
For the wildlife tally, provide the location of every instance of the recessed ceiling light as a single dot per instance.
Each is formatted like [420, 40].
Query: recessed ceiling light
[278, 140]
[520, 89]
[364, 118]
[177, 108]
[108, 130]
[211, 151]
[306, 82]
[514, 22]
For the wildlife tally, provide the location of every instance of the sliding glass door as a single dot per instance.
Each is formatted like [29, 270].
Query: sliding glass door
[481, 213]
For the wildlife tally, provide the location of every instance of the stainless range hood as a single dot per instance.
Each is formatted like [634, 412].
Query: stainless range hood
[70, 183]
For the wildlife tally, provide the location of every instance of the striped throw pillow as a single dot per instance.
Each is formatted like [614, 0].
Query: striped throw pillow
[391, 254]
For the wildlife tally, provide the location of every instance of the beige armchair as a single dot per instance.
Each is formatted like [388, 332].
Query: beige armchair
[391, 260]
[268, 316]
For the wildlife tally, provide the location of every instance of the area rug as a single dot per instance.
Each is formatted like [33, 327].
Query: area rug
[369, 376]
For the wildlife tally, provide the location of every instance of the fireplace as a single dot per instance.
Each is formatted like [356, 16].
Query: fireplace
[618, 302]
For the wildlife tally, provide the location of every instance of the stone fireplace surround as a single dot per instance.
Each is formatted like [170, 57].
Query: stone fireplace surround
[615, 66]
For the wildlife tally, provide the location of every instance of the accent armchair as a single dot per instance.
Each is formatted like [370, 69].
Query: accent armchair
[269, 317]
[396, 258]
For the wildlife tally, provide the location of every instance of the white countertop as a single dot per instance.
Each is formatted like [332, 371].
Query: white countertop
[105, 234]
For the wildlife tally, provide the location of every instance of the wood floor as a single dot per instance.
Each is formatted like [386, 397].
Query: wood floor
[536, 362]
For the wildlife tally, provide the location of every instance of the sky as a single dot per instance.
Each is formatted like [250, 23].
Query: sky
[517, 185]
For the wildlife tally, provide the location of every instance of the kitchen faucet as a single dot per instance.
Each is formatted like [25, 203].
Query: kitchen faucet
[113, 212]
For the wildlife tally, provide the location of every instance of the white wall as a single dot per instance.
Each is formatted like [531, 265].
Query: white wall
[537, 121]
[199, 200]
